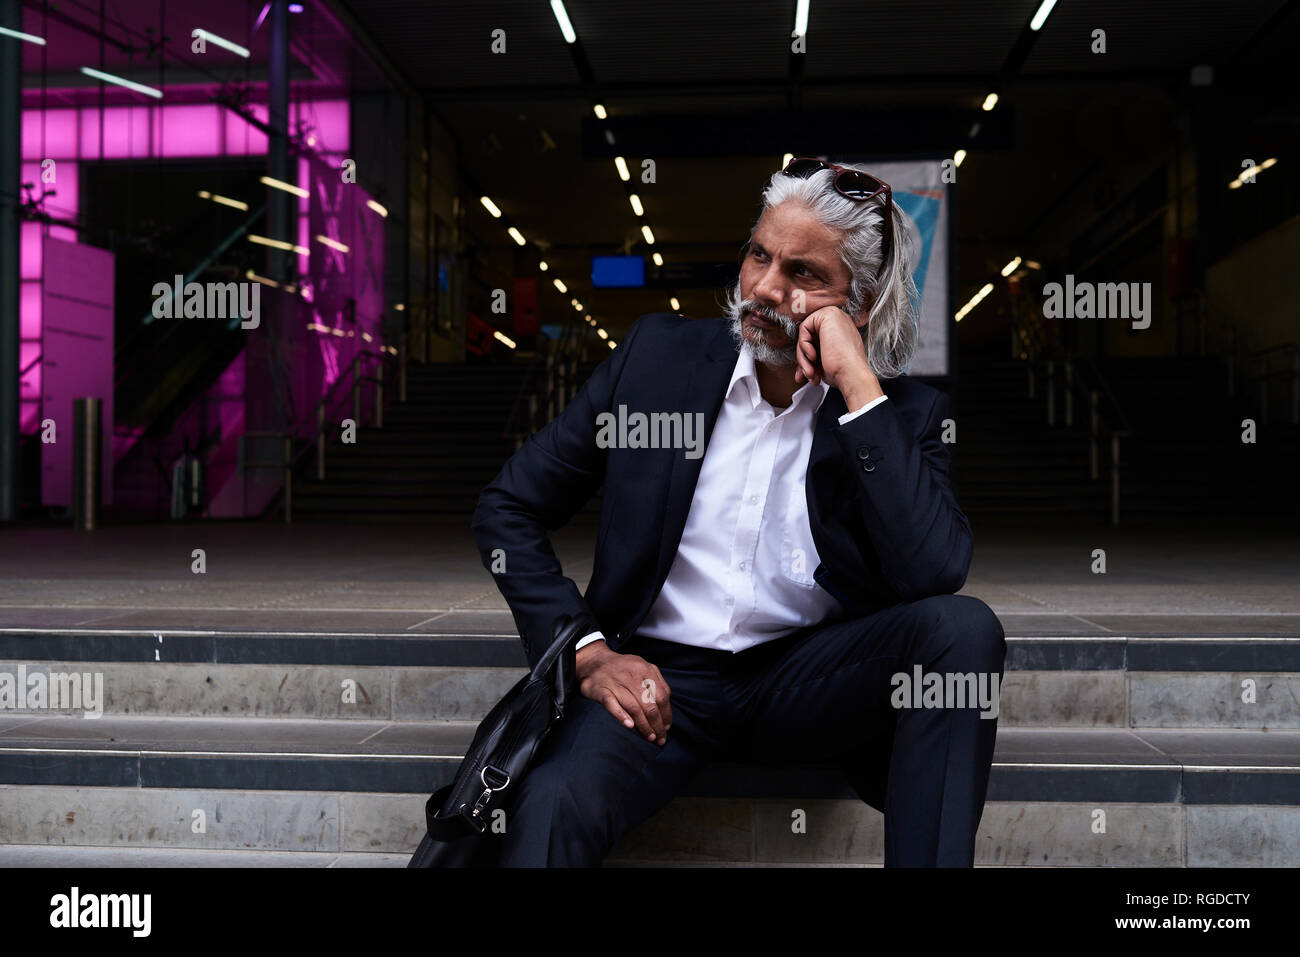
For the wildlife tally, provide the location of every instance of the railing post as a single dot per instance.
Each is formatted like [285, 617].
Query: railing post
[356, 390]
[288, 479]
[549, 379]
[1069, 394]
[1232, 364]
[1092, 435]
[379, 394]
[87, 446]
[1051, 392]
[1295, 387]
[1114, 478]
[320, 441]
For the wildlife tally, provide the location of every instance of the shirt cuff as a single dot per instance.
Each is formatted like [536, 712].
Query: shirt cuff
[594, 636]
[848, 416]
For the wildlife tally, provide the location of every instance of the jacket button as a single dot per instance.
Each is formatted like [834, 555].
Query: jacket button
[864, 451]
[868, 466]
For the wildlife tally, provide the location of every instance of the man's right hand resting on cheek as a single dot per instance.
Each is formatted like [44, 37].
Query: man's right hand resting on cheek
[631, 689]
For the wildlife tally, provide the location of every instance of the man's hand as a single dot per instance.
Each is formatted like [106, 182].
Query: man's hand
[830, 347]
[630, 688]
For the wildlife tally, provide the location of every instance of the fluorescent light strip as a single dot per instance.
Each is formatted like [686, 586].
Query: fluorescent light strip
[262, 279]
[502, 337]
[333, 244]
[801, 18]
[1041, 16]
[637, 208]
[559, 284]
[490, 206]
[19, 35]
[287, 187]
[201, 34]
[1258, 168]
[975, 301]
[1011, 267]
[562, 17]
[119, 81]
[517, 236]
[377, 208]
[278, 244]
[649, 236]
[223, 200]
[621, 164]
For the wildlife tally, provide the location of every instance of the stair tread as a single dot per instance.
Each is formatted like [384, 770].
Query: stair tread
[339, 738]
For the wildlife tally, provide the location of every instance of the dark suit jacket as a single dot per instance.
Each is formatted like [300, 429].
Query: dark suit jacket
[880, 505]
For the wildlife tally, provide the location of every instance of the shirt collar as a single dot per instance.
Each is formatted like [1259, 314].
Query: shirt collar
[746, 372]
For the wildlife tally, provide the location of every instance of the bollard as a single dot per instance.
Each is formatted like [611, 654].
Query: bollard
[86, 460]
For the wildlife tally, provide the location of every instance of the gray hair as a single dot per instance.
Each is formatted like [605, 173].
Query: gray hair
[891, 330]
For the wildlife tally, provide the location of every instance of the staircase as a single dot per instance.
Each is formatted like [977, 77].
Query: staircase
[1184, 454]
[1008, 460]
[254, 734]
[433, 456]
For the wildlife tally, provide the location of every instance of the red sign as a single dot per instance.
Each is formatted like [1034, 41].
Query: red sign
[478, 336]
[526, 322]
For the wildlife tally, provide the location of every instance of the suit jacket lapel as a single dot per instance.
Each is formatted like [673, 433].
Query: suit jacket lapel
[702, 390]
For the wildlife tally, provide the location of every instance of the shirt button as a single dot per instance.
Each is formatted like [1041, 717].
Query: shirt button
[742, 566]
[753, 500]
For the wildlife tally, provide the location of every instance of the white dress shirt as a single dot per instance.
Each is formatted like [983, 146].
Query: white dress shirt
[743, 573]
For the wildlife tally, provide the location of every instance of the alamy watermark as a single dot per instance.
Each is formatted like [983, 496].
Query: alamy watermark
[130, 911]
[55, 691]
[208, 300]
[1104, 300]
[946, 690]
[655, 430]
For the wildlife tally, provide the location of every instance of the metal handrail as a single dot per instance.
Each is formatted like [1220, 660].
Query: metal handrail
[1040, 352]
[1280, 347]
[289, 459]
[558, 367]
[1265, 375]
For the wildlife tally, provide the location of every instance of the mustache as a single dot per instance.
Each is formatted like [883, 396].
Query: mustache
[787, 324]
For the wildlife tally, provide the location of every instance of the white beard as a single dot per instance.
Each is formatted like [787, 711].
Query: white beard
[758, 346]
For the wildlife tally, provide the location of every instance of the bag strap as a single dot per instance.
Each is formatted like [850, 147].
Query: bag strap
[451, 828]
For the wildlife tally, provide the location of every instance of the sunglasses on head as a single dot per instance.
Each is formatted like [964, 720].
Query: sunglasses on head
[853, 184]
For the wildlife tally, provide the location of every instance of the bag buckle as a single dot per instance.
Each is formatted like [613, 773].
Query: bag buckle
[475, 814]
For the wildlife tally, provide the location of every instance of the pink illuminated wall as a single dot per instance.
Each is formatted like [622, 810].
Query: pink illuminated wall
[77, 357]
[86, 134]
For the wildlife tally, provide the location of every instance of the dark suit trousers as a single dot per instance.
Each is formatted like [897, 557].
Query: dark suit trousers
[819, 695]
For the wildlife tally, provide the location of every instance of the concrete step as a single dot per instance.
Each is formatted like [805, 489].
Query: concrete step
[1056, 797]
[1084, 682]
[119, 856]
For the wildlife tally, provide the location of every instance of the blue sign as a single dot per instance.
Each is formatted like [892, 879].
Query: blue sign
[618, 272]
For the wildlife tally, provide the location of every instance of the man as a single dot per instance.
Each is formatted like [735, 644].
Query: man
[760, 602]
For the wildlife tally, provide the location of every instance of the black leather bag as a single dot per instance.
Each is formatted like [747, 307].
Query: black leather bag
[460, 816]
